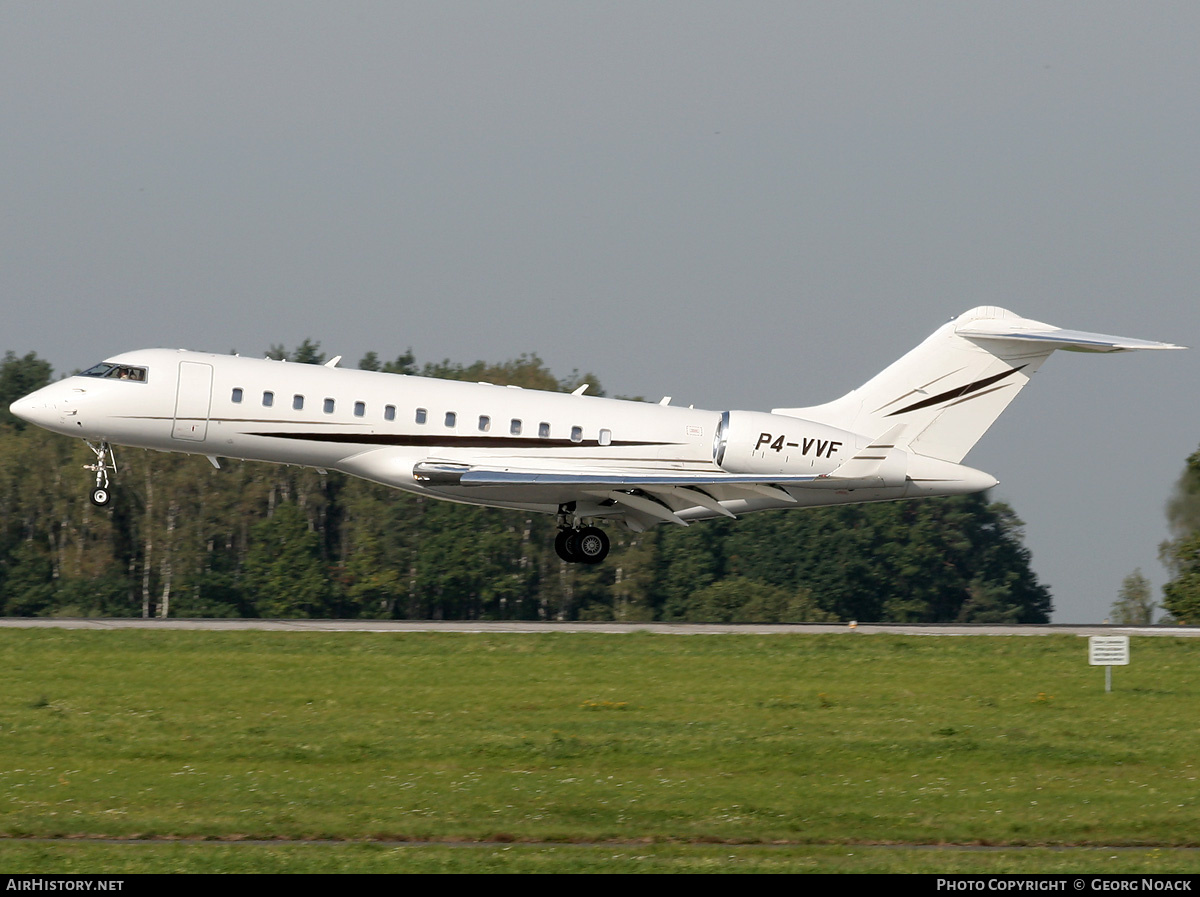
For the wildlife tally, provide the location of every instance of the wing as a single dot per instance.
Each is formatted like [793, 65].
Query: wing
[644, 497]
[647, 494]
[639, 495]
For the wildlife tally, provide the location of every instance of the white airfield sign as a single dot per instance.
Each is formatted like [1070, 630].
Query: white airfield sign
[1108, 650]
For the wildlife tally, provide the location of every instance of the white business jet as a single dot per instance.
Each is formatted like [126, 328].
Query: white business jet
[584, 459]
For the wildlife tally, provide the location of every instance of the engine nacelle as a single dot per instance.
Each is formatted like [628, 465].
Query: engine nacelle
[755, 442]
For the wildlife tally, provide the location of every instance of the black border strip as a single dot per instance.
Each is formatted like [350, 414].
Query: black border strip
[449, 441]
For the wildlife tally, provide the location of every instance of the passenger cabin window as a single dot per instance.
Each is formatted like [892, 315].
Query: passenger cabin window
[577, 434]
[298, 403]
[389, 412]
[451, 418]
[485, 423]
[544, 430]
[236, 398]
[268, 399]
[421, 415]
[329, 406]
[515, 427]
[606, 437]
[110, 371]
[360, 409]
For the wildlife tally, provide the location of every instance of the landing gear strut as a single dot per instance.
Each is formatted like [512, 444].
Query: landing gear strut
[105, 461]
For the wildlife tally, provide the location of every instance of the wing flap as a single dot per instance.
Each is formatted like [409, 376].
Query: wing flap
[439, 473]
[644, 504]
[668, 487]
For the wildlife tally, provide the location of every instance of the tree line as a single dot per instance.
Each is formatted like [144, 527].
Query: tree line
[183, 539]
[1181, 553]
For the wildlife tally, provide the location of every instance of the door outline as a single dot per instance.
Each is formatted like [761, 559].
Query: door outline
[193, 399]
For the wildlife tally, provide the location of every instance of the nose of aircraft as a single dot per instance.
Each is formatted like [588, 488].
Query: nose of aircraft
[34, 409]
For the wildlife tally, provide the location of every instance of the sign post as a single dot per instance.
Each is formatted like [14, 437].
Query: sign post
[1108, 651]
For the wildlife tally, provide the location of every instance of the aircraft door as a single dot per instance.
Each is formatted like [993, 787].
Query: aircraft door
[193, 396]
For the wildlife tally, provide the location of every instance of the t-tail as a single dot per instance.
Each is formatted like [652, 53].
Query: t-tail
[940, 398]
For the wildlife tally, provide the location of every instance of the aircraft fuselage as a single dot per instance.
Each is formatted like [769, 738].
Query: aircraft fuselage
[580, 457]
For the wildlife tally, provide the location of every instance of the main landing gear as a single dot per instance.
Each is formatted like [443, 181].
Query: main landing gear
[105, 461]
[585, 545]
[576, 543]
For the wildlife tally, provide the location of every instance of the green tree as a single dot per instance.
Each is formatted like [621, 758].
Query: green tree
[741, 600]
[1181, 596]
[404, 364]
[283, 574]
[527, 371]
[308, 352]
[898, 561]
[28, 582]
[1183, 507]
[19, 377]
[988, 602]
[1134, 606]
[686, 561]
[1181, 553]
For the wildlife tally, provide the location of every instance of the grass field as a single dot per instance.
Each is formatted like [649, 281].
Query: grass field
[570, 752]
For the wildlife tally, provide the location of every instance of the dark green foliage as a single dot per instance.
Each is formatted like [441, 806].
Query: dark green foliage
[1181, 555]
[917, 562]
[740, 600]
[19, 377]
[404, 364]
[283, 568]
[308, 352]
[1183, 508]
[1181, 596]
[29, 581]
[183, 539]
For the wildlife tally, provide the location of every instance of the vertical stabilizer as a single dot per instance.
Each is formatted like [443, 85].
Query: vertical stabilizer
[948, 390]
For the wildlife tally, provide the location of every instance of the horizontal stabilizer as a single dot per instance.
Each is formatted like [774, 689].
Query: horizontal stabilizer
[1056, 337]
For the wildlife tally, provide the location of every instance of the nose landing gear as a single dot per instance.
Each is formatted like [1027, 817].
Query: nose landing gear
[105, 461]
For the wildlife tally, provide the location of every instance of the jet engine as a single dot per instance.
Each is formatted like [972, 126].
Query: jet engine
[754, 442]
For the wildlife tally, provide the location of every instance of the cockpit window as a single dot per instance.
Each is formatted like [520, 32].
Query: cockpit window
[111, 371]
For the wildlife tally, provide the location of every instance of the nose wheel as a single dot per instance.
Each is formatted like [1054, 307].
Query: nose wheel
[587, 545]
[105, 461]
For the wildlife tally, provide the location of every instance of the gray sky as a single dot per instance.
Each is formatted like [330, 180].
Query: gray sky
[743, 205]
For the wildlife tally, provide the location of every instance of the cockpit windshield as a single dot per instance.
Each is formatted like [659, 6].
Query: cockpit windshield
[112, 371]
